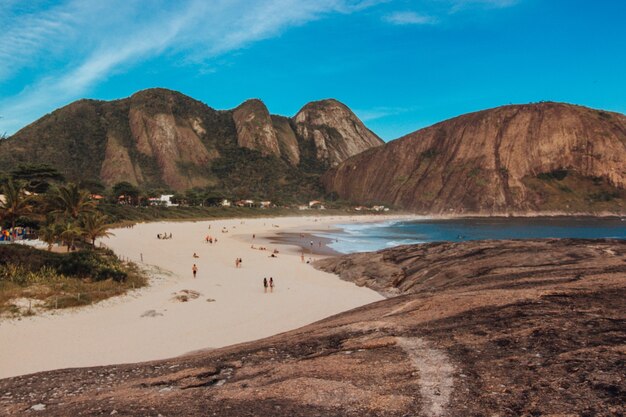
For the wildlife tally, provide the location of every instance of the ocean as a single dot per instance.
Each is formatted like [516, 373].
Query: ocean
[365, 237]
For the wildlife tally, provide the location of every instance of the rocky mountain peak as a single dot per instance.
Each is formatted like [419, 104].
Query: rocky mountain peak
[335, 130]
[254, 127]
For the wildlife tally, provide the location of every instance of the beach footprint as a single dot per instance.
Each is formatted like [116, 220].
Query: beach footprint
[151, 313]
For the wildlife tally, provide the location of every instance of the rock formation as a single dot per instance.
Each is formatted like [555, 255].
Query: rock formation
[159, 138]
[255, 129]
[507, 328]
[325, 122]
[523, 158]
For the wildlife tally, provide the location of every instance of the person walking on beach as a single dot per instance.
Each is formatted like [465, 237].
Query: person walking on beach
[194, 269]
[264, 284]
[271, 284]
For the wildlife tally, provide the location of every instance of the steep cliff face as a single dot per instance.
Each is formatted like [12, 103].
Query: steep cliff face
[336, 132]
[159, 138]
[547, 156]
[255, 129]
[287, 140]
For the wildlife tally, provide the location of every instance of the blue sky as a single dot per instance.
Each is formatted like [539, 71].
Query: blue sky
[399, 64]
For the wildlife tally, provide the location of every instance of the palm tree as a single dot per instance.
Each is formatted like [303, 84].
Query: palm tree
[15, 203]
[69, 233]
[95, 225]
[71, 201]
[50, 234]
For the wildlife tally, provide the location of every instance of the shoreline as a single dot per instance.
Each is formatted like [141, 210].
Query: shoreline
[223, 306]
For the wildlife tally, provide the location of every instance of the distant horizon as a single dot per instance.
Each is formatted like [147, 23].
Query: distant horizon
[400, 65]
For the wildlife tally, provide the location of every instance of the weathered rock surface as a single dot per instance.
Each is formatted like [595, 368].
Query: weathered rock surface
[160, 138]
[506, 328]
[255, 129]
[522, 158]
[325, 122]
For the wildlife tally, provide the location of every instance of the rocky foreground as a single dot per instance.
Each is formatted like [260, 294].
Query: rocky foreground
[504, 328]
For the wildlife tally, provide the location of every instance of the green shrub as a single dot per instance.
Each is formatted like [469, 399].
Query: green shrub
[603, 196]
[557, 174]
[18, 261]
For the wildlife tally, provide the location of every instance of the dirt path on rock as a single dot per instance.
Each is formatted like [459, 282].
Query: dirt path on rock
[435, 374]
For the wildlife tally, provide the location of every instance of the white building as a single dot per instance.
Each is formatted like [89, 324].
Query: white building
[166, 200]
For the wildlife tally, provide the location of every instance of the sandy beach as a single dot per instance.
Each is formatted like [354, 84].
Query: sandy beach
[151, 323]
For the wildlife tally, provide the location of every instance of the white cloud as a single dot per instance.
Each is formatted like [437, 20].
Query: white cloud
[458, 5]
[409, 18]
[82, 42]
[375, 113]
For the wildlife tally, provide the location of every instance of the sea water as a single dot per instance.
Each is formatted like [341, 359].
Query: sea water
[364, 237]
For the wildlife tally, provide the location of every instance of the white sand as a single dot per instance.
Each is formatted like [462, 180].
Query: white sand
[114, 331]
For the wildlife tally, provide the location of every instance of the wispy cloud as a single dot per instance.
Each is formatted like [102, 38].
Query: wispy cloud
[439, 9]
[84, 42]
[409, 18]
[381, 112]
[458, 5]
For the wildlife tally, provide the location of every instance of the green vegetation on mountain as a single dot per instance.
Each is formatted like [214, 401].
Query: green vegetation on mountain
[159, 139]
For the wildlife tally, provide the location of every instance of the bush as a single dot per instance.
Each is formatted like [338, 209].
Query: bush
[98, 265]
[557, 174]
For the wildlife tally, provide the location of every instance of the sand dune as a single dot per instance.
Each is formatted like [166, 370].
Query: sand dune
[152, 323]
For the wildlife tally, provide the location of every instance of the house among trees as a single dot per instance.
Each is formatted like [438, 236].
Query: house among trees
[166, 200]
[265, 204]
[245, 203]
[316, 204]
[226, 203]
[96, 197]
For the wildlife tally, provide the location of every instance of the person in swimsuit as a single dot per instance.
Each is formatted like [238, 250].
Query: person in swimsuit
[194, 269]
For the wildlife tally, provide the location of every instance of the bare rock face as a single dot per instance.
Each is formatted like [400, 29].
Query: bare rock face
[170, 142]
[536, 157]
[159, 138]
[118, 164]
[336, 132]
[255, 129]
[287, 140]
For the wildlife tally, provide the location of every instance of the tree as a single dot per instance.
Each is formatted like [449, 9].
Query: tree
[15, 203]
[50, 234]
[127, 190]
[93, 186]
[71, 201]
[94, 226]
[38, 177]
[69, 234]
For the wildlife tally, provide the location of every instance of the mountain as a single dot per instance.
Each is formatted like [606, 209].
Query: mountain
[159, 138]
[483, 328]
[511, 159]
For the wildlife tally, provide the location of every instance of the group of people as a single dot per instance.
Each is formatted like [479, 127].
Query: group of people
[269, 284]
[164, 236]
[210, 239]
[238, 262]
